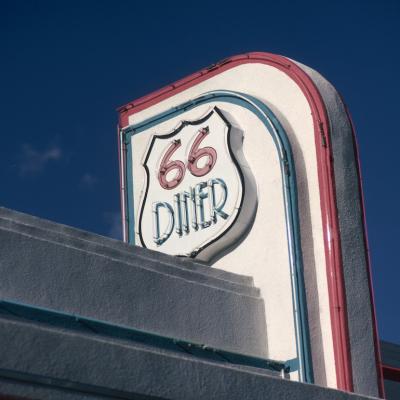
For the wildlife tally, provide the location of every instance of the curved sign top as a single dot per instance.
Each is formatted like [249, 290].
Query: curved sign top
[250, 166]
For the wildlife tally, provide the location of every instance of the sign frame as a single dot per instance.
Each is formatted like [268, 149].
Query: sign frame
[326, 178]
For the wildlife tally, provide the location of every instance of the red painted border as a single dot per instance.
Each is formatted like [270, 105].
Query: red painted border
[333, 257]
[391, 373]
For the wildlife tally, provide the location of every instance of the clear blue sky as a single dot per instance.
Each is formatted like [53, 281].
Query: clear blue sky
[66, 65]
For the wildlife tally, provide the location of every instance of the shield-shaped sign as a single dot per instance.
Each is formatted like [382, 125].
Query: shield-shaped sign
[200, 196]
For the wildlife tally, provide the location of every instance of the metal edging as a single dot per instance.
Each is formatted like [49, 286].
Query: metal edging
[290, 197]
[130, 211]
[122, 180]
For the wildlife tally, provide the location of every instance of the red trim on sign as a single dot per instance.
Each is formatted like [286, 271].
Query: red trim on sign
[336, 289]
[378, 359]
[391, 373]
[330, 224]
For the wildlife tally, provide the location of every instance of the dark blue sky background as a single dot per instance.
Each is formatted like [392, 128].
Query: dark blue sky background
[66, 65]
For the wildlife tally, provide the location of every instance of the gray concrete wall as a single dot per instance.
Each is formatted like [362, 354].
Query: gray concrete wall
[38, 360]
[101, 280]
[94, 242]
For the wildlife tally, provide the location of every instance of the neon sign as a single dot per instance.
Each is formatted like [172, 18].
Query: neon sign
[194, 187]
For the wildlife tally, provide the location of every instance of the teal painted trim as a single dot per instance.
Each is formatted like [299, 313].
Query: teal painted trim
[130, 213]
[292, 365]
[94, 326]
[288, 174]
